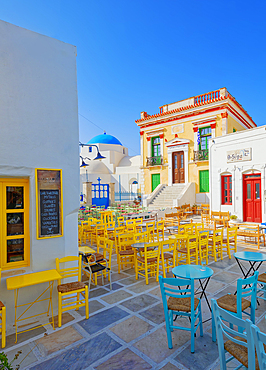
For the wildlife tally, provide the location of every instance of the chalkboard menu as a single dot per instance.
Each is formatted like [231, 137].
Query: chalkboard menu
[49, 207]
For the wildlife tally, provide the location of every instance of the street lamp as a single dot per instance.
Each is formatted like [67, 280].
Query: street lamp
[99, 156]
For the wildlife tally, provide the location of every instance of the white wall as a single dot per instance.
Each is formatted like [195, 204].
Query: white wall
[254, 139]
[39, 129]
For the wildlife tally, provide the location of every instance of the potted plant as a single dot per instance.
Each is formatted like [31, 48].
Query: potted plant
[233, 219]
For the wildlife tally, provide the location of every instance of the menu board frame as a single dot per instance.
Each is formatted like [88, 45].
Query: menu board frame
[49, 185]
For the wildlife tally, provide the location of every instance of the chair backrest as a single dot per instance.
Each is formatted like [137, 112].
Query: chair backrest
[188, 229]
[120, 221]
[125, 240]
[152, 249]
[203, 239]
[176, 287]
[218, 236]
[224, 322]
[168, 246]
[247, 288]
[141, 237]
[74, 270]
[259, 339]
[232, 234]
[192, 241]
[108, 249]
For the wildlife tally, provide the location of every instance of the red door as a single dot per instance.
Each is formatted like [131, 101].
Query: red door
[178, 167]
[252, 198]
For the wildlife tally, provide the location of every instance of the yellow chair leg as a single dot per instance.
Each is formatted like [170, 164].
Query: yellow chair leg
[3, 327]
[59, 310]
[87, 301]
[77, 302]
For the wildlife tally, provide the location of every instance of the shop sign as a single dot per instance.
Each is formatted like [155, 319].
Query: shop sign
[239, 155]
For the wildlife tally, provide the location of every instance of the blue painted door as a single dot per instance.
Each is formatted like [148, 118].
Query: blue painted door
[100, 194]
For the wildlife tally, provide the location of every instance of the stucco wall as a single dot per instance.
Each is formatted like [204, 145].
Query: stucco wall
[39, 129]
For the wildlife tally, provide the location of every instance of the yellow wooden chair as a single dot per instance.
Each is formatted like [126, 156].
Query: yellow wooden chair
[138, 223]
[167, 255]
[130, 226]
[150, 228]
[189, 229]
[188, 253]
[141, 237]
[230, 242]
[148, 262]
[99, 231]
[215, 244]
[117, 231]
[199, 227]
[160, 230]
[69, 293]
[120, 221]
[126, 254]
[203, 246]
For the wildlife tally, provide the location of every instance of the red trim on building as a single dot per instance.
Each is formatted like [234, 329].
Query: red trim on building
[226, 180]
[148, 139]
[141, 133]
[224, 115]
[213, 125]
[195, 128]
[161, 136]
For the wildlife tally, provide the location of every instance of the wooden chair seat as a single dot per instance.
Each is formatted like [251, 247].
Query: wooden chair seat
[128, 252]
[167, 255]
[181, 304]
[228, 302]
[149, 260]
[68, 287]
[184, 250]
[239, 352]
[262, 277]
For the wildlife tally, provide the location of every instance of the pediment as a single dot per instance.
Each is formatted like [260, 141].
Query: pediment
[177, 141]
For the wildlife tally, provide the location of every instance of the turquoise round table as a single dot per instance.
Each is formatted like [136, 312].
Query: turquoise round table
[196, 272]
[255, 260]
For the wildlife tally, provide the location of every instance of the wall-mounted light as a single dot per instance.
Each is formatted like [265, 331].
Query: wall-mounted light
[98, 156]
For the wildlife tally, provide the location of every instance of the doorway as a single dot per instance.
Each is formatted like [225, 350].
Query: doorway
[252, 198]
[178, 167]
[155, 181]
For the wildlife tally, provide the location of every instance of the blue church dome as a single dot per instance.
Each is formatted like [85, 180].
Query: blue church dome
[104, 139]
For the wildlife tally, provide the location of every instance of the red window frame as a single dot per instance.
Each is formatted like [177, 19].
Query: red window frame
[226, 181]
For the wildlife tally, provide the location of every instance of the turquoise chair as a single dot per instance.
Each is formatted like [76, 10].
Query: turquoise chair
[237, 304]
[239, 344]
[259, 339]
[181, 302]
[262, 286]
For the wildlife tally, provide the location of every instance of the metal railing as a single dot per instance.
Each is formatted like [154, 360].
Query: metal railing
[125, 195]
[154, 161]
[201, 155]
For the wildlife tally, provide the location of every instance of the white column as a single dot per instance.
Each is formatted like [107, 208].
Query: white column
[161, 144]
[196, 141]
[224, 123]
[141, 149]
[213, 130]
[149, 148]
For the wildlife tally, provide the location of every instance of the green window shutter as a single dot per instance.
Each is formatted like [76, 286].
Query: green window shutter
[155, 181]
[204, 181]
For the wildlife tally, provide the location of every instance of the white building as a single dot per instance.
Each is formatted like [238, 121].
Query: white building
[39, 130]
[237, 174]
[117, 167]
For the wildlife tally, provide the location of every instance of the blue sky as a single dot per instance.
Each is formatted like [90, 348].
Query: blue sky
[136, 55]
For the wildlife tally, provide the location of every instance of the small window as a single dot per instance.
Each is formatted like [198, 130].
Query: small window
[227, 189]
[234, 130]
[90, 149]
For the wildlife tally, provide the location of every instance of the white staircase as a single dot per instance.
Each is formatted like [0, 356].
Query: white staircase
[164, 199]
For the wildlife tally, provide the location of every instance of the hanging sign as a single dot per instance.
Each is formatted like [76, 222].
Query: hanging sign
[49, 203]
[239, 155]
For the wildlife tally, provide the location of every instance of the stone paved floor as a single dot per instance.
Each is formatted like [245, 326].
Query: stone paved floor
[126, 329]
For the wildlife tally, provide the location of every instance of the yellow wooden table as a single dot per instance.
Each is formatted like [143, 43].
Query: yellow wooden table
[22, 281]
[86, 250]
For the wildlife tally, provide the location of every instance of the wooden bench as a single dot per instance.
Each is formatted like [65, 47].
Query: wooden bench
[249, 230]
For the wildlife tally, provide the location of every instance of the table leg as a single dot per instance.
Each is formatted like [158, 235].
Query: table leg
[16, 304]
[202, 293]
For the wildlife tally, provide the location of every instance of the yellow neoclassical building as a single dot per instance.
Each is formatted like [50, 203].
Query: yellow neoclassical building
[175, 142]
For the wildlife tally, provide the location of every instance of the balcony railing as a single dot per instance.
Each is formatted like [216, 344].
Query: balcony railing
[154, 161]
[201, 155]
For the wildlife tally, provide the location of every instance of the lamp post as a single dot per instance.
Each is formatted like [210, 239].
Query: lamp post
[84, 164]
[99, 156]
